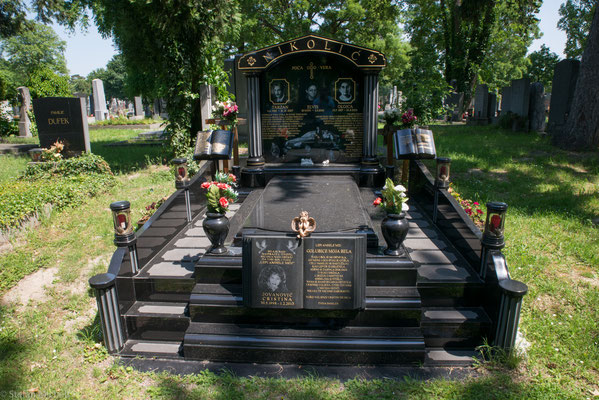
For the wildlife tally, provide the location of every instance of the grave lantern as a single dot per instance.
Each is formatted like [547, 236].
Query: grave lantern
[494, 225]
[441, 182]
[181, 175]
[493, 234]
[123, 230]
[182, 182]
[443, 166]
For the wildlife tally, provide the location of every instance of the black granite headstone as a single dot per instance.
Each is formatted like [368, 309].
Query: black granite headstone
[323, 271]
[64, 119]
[312, 107]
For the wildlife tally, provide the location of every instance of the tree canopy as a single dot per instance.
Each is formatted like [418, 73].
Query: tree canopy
[542, 66]
[477, 41]
[575, 19]
[114, 78]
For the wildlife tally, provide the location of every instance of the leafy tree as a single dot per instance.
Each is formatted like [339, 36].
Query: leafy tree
[114, 78]
[478, 40]
[581, 131]
[35, 47]
[175, 47]
[80, 84]
[46, 83]
[542, 66]
[12, 17]
[368, 23]
[576, 18]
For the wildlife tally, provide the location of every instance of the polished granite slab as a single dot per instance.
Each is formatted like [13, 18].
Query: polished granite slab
[333, 201]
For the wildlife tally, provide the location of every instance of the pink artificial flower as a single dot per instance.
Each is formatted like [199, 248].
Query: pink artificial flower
[223, 202]
[377, 201]
[232, 177]
[475, 203]
[223, 186]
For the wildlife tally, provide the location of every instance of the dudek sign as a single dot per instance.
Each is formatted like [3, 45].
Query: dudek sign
[359, 56]
[64, 119]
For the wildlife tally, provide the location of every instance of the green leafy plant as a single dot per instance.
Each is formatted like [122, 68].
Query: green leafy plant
[393, 199]
[85, 164]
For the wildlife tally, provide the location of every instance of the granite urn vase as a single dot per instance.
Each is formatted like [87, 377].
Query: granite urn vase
[395, 229]
[216, 226]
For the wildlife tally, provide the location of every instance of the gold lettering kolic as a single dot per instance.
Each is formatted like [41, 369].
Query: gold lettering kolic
[292, 46]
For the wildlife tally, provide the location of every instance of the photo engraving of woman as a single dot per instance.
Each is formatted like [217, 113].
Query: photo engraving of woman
[273, 279]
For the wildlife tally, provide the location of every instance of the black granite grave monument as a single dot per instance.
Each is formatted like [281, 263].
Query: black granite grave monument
[64, 119]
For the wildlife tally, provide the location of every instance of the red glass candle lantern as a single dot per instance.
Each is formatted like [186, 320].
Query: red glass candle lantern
[181, 173]
[443, 167]
[495, 224]
[121, 216]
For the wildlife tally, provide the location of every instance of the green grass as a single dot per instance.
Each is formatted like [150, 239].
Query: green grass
[12, 165]
[51, 346]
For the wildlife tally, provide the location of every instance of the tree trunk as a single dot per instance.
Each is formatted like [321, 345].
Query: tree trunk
[581, 131]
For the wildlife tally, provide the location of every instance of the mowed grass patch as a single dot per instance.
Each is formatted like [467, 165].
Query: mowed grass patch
[12, 166]
[551, 244]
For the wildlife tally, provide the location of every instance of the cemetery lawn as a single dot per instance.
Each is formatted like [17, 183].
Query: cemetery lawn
[51, 346]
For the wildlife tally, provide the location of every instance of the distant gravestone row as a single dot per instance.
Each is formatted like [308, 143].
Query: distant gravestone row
[564, 83]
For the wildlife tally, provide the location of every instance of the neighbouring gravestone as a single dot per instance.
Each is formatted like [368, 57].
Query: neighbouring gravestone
[206, 104]
[562, 93]
[455, 101]
[100, 111]
[492, 111]
[24, 123]
[139, 108]
[520, 100]
[481, 103]
[537, 107]
[62, 119]
[506, 100]
[239, 87]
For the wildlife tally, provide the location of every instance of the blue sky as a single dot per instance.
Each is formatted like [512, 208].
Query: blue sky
[87, 51]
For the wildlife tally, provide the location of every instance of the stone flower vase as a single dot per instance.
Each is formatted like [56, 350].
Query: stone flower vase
[216, 226]
[395, 229]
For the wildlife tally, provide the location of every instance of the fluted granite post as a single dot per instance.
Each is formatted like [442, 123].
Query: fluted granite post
[512, 293]
[253, 174]
[371, 172]
[108, 308]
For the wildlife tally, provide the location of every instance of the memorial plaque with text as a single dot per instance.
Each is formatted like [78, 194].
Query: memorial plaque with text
[324, 271]
[64, 119]
[312, 107]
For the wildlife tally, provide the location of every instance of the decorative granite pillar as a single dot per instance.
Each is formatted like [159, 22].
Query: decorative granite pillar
[108, 308]
[509, 313]
[371, 173]
[253, 174]
[255, 146]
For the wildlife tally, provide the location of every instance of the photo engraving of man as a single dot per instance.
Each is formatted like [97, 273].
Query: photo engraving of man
[273, 279]
[278, 92]
[344, 90]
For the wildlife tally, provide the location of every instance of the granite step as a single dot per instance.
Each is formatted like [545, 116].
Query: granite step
[463, 327]
[264, 343]
[157, 321]
[449, 285]
[441, 357]
[380, 270]
[223, 303]
[152, 349]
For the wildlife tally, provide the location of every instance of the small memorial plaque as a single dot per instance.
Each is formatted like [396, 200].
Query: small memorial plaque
[213, 145]
[323, 271]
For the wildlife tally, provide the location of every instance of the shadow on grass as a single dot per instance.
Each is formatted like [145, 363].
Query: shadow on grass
[127, 159]
[521, 169]
[11, 365]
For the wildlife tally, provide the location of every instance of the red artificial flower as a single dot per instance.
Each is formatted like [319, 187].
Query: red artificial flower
[479, 211]
[232, 177]
[223, 202]
[495, 222]
[468, 211]
[206, 185]
[223, 186]
[377, 201]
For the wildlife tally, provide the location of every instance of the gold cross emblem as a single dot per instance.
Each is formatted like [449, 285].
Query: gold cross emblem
[311, 67]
